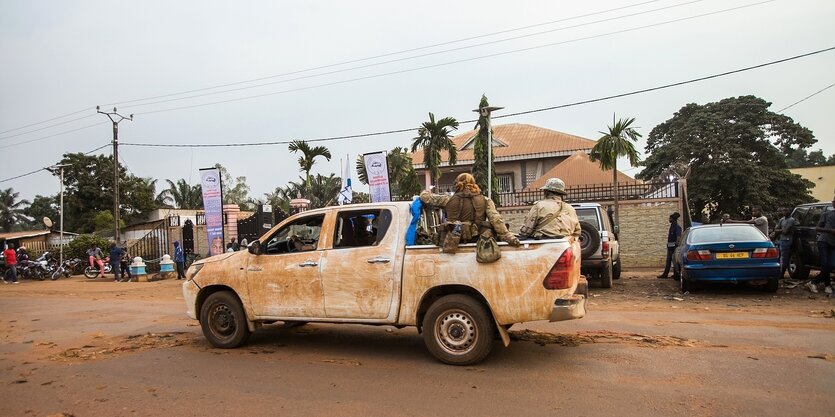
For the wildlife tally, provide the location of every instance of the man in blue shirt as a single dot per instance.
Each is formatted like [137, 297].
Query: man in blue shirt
[179, 260]
[115, 261]
[673, 236]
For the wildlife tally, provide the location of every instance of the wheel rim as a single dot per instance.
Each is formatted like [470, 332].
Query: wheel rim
[456, 331]
[792, 265]
[222, 321]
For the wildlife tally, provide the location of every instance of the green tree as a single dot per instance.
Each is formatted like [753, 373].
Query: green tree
[235, 190]
[480, 156]
[308, 157]
[12, 210]
[103, 222]
[88, 187]
[736, 152]
[44, 206]
[321, 193]
[617, 142]
[800, 158]
[403, 179]
[182, 195]
[434, 137]
[77, 248]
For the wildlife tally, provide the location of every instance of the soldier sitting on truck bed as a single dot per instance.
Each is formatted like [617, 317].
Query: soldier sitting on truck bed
[476, 213]
[552, 218]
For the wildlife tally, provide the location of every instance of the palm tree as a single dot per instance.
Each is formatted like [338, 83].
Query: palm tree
[11, 211]
[615, 143]
[182, 195]
[308, 157]
[434, 137]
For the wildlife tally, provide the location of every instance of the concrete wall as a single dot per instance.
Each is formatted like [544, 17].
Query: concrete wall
[643, 229]
[824, 179]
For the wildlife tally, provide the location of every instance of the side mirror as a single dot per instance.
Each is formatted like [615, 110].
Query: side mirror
[254, 247]
[616, 228]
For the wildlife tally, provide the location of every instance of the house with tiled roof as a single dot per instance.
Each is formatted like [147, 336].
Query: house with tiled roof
[525, 155]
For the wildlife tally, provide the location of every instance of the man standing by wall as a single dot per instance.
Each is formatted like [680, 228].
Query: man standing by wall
[826, 250]
[11, 264]
[179, 260]
[785, 233]
[673, 236]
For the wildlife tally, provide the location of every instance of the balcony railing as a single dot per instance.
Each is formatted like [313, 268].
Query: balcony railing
[598, 192]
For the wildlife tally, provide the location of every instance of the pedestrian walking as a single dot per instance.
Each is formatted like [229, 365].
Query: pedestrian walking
[551, 217]
[116, 261]
[179, 259]
[673, 237]
[125, 264]
[784, 231]
[826, 251]
[11, 264]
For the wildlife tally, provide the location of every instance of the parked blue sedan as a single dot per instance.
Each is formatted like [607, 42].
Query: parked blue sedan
[726, 253]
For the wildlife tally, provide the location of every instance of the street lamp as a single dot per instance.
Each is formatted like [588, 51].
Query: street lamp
[485, 112]
[60, 167]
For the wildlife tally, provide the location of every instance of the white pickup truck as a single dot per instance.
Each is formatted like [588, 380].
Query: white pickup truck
[351, 264]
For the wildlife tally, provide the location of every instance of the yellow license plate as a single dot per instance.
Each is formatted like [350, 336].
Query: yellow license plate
[732, 255]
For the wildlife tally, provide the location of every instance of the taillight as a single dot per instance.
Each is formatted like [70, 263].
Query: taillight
[699, 255]
[604, 250]
[557, 278]
[765, 253]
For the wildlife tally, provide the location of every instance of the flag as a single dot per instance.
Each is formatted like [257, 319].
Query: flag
[346, 193]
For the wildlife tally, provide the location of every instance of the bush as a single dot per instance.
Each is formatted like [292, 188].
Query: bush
[78, 247]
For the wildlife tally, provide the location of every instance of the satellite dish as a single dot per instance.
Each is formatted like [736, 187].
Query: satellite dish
[47, 222]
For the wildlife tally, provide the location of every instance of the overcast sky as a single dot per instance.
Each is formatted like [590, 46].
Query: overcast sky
[60, 57]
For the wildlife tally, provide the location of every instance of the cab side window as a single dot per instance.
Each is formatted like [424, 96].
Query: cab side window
[301, 235]
[359, 228]
[812, 218]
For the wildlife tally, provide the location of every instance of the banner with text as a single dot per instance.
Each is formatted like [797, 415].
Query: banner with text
[376, 169]
[213, 206]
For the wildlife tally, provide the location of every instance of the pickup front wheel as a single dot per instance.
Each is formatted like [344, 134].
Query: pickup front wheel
[458, 330]
[223, 320]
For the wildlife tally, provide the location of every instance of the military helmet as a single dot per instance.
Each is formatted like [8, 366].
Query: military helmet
[554, 185]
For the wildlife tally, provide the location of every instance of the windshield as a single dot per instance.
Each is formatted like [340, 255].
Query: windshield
[726, 234]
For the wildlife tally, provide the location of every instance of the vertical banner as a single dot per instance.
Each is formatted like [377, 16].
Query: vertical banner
[346, 194]
[213, 206]
[377, 172]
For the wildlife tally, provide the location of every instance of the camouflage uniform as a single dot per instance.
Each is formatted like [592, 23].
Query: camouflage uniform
[552, 217]
[476, 213]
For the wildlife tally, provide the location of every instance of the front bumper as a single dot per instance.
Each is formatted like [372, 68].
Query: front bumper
[573, 307]
[190, 290]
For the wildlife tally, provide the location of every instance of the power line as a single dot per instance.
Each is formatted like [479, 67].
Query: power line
[46, 127]
[806, 98]
[44, 169]
[46, 121]
[414, 56]
[50, 136]
[576, 103]
[386, 54]
[456, 61]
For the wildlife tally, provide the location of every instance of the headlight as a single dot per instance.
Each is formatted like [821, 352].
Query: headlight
[192, 271]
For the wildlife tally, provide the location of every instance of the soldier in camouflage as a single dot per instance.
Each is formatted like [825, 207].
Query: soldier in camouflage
[552, 218]
[476, 214]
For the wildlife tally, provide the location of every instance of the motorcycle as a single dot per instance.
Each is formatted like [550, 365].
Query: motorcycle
[93, 271]
[70, 267]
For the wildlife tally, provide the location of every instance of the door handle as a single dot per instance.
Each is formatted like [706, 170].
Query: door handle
[379, 260]
[308, 263]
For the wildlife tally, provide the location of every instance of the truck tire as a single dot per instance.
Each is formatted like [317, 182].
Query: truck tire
[606, 276]
[589, 239]
[458, 330]
[798, 270]
[616, 270]
[223, 320]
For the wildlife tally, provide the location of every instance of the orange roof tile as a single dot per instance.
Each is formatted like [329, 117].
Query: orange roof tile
[519, 141]
[578, 169]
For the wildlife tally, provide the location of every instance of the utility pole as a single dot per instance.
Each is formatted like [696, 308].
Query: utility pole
[61, 247]
[486, 112]
[115, 118]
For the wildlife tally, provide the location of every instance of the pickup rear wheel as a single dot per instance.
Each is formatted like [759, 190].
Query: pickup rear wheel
[223, 320]
[458, 330]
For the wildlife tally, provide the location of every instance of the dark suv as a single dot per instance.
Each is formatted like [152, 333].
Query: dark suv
[804, 255]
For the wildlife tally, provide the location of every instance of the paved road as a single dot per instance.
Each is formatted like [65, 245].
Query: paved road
[107, 349]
